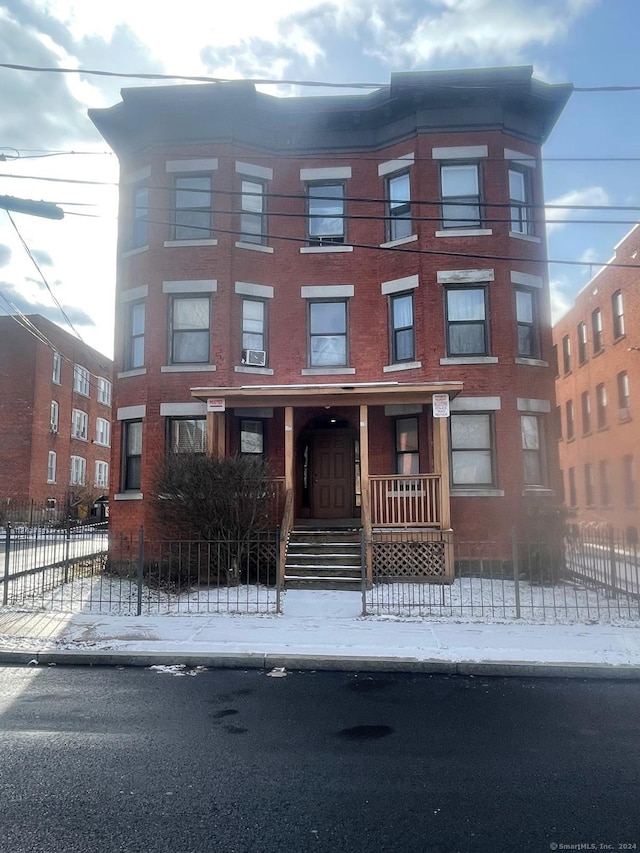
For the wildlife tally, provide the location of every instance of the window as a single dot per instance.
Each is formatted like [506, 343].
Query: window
[557, 422]
[51, 467]
[188, 435]
[407, 456]
[601, 405]
[104, 391]
[520, 198]
[139, 229]
[192, 207]
[586, 413]
[402, 327]
[629, 480]
[466, 321]
[573, 494]
[253, 325]
[617, 305]
[589, 485]
[103, 432]
[57, 367]
[398, 193]
[566, 354]
[102, 475]
[582, 343]
[533, 450]
[622, 381]
[327, 334]
[54, 416]
[132, 461]
[605, 483]
[460, 191]
[252, 214]
[134, 355]
[326, 213]
[78, 471]
[252, 437]
[527, 321]
[570, 420]
[472, 457]
[596, 328]
[190, 330]
[81, 381]
[80, 424]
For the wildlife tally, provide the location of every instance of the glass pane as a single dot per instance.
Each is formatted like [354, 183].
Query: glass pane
[467, 339]
[193, 225]
[193, 192]
[408, 463]
[251, 437]
[251, 341]
[402, 311]
[471, 467]
[525, 341]
[189, 436]
[252, 203]
[470, 431]
[407, 434]
[401, 227]
[530, 434]
[532, 472]
[459, 180]
[524, 307]
[191, 347]
[465, 304]
[137, 352]
[191, 313]
[328, 350]
[137, 319]
[405, 350]
[460, 215]
[134, 438]
[399, 190]
[326, 209]
[516, 186]
[132, 477]
[252, 314]
[328, 317]
[251, 227]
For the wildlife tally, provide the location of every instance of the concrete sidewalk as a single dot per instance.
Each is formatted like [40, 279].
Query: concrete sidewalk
[321, 630]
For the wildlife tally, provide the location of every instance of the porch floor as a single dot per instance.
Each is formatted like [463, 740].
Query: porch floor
[327, 523]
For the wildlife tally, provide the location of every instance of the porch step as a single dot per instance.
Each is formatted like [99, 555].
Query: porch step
[323, 559]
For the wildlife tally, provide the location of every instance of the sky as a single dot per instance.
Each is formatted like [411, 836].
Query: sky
[46, 134]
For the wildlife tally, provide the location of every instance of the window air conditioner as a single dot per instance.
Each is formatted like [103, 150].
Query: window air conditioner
[254, 357]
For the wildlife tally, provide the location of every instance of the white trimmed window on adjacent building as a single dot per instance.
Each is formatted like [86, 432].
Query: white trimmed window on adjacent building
[80, 424]
[54, 416]
[81, 380]
[51, 467]
[78, 471]
[533, 450]
[104, 391]
[102, 475]
[103, 432]
[57, 368]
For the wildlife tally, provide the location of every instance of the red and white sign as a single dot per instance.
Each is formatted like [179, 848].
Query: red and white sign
[441, 406]
[215, 404]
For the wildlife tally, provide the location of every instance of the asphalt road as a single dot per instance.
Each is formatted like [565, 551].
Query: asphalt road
[99, 759]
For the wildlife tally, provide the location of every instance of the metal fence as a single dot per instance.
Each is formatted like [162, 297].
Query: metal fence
[591, 574]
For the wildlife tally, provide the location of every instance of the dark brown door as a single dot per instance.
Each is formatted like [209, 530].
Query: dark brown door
[332, 474]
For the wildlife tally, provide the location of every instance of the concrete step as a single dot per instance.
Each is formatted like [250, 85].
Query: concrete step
[320, 557]
[297, 582]
[322, 571]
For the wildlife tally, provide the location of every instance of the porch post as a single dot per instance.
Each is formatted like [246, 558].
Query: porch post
[441, 464]
[221, 434]
[211, 434]
[288, 448]
[364, 489]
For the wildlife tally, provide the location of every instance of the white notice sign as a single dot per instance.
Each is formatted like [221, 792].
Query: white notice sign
[440, 405]
[215, 404]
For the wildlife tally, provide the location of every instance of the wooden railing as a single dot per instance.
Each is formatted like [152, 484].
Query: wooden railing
[406, 501]
[285, 530]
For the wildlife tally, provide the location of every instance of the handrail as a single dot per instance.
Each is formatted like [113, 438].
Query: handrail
[285, 530]
[399, 500]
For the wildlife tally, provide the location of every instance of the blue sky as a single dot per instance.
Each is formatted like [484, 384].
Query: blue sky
[584, 42]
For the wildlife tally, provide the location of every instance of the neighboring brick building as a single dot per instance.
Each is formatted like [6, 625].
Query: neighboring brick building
[55, 416]
[321, 267]
[598, 352]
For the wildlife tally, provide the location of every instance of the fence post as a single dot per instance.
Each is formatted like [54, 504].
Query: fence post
[612, 559]
[516, 570]
[67, 545]
[278, 569]
[140, 567]
[7, 551]
[363, 572]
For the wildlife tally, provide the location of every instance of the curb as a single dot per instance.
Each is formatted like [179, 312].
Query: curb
[292, 662]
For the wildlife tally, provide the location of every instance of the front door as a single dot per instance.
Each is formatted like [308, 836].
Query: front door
[332, 474]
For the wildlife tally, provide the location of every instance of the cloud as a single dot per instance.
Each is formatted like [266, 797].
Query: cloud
[5, 255]
[557, 213]
[21, 303]
[43, 258]
[561, 302]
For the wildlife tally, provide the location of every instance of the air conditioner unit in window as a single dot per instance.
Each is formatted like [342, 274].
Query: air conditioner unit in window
[53, 427]
[254, 357]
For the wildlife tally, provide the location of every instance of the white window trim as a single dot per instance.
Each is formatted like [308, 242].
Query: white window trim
[536, 407]
[134, 294]
[526, 280]
[397, 285]
[463, 277]
[254, 247]
[83, 471]
[521, 159]
[401, 365]
[52, 457]
[84, 420]
[325, 250]
[263, 172]
[187, 368]
[399, 242]
[398, 164]
[176, 410]
[460, 152]
[168, 244]
[131, 413]
[328, 173]
[107, 430]
[465, 232]
[245, 368]
[204, 164]
[190, 286]
[101, 464]
[476, 404]
[327, 291]
[262, 291]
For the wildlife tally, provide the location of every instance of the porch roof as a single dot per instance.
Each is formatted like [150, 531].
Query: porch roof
[337, 394]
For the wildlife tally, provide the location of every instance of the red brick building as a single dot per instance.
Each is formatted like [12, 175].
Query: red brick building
[55, 415]
[598, 351]
[319, 268]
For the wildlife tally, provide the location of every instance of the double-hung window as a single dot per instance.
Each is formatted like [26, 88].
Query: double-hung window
[586, 412]
[472, 450]
[328, 333]
[190, 318]
[407, 452]
[251, 437]
[254, 328]
[81, 380]
[103, 432]
[134, 354]
[622, 381]
[326, 207]
[187, 435]
[571, 430]
[253, 212]
[617, 304]
[398, 191]
[601, 405]
[104, 391]
[532, 432]
[54, 416]
[140, 216]
[596, 329]
[192, 207]
[605, 483]
[460, 193]
[566, 354]
[467, 321]
[80, 425]
[57, 367]
[102, 475]
[78, 471]
[132, 457]
[527, 322]
[402, 327]
[51, 467]
[582, 343]
[520, 200]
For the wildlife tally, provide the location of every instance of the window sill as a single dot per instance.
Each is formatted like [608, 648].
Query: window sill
[476, 493]
[480, 359]
[526, 237]
[254, 247]
[187, 368]
[621, 338]
[51, 482]
[100, 443]
[327, 371]
[262, 371]
[465, 232]
[131, 252]
[531, 362]
[137, 371]
[402, 365]
[79, 438]
[399, 242]
[325, 250]
[538, 490]
[171, 243]
[128, 496]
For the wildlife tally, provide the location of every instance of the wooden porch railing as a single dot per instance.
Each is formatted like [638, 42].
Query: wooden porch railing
[285, 530]
[414, 501]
